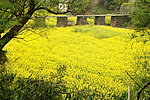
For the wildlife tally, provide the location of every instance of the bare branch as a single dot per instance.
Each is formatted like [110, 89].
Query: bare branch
[21, 39]
[133, 79]
[145, 86]
[44, 8]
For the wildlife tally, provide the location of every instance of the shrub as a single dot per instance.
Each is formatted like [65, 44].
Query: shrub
[16, 88]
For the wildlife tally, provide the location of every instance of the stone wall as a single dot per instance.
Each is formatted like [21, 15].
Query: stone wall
[81, 20]
[118, 21]
[99, 20]
[62, 21]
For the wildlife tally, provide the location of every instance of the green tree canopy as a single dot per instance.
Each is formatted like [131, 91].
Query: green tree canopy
[112, 4]
[140, 14]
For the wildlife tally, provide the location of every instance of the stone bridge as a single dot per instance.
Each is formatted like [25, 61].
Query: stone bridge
[116, 20]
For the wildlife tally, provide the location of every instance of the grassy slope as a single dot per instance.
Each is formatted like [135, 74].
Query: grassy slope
[95, 56]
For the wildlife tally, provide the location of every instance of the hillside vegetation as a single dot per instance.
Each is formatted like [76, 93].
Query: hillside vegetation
[89, 57]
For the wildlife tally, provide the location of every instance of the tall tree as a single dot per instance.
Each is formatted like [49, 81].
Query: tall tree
[14, 14]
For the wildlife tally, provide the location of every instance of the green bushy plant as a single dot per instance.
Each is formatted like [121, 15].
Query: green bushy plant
[16, 88]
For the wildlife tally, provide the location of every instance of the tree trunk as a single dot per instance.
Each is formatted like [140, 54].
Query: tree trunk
[12, 33]
[9, 35]
[14, 30]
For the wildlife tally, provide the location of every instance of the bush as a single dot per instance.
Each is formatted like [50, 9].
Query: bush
[16, 88]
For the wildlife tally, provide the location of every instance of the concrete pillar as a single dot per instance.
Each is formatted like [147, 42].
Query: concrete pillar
[40, 22]
[62, 21]
[118, 21]
[99, 20]
[81, 20]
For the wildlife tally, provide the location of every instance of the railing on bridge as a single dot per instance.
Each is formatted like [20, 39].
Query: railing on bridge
[116, 20]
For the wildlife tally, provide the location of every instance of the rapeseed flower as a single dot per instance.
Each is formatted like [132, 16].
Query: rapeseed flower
[94, 56]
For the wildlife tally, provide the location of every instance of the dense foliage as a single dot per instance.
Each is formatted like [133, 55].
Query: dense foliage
[140, 14]
[16, 88]
[112, 4]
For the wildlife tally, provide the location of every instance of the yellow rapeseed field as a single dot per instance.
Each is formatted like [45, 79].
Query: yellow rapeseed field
[95, 57]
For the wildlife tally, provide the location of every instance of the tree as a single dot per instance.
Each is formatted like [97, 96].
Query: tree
[15, 14]
[140, 14]
[113, 5]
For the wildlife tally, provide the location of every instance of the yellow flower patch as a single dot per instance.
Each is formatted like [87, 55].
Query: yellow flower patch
[94, 56]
